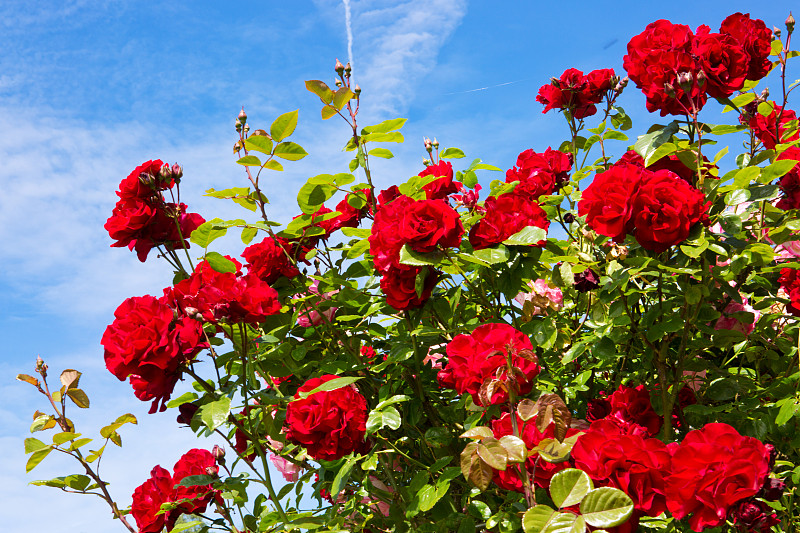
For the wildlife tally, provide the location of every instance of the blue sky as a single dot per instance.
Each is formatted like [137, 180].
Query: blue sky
[90, 89]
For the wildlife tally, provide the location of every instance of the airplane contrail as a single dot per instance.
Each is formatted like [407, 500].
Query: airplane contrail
[349, 26]
[487, 87]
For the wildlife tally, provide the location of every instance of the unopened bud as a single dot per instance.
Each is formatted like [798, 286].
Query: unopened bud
[238, 125]
[40, 366]
[219, 454]
[339, 68]
[764, 94]
[777, 32]
[554, 82]
[177, 171]
[237, 147]
[242, 116]
[435, 143]
[428, 145]
[426, 162]
[621, 84]
[192, 312]
[790, 23]
[347, 69]
[212, 471]
[569, 218]
[338, 83]
[701, 79]
[669, 89]
[166, 173]
[685, 80]
[246, 128]
[357, 90]
[146, 178]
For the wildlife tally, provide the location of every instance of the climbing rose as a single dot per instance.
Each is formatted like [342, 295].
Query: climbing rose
[505, 216]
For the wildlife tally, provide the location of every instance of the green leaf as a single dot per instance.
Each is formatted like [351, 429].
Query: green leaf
[273, 165]
[410, 257]
[452, 153]
[391, 137]
[381, 152]
[536, 518]
[777, 169]
[214, 414]
[398, 398]
[35, 445]
[259, 143]
[79, 443]
[341, 97]
[321, 89]
[42, 422]
[283, 126]
[606, 507]
[250, 161]
[342, 476]
[61, 438]
[220, 263]
[248, 234]
[79, 398]
[290, 151]
[36, 458]
[336, 383]
[615, 135]
[649, 142]
[493, 453]
[492, 256]
[515, 448]
[327, 112]
[315, 192]
[737, 197]
[183, 526]
[530, 235]
[205, 233]
[197, 481]
[378, 418]
[787, 411]
[77, 481]
[739, 101]
[385, 126]
[569, 487]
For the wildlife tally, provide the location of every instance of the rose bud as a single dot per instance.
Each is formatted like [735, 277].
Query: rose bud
[435, 143]
[242, 116]
[177, 171]
[669, 89]
[701, 79]
[357, 90]
[790, 23]
[339, 68]
[166, 173]
[238, 125]
[347, 69]
[569, 218]
[685, 80]
[219, 454]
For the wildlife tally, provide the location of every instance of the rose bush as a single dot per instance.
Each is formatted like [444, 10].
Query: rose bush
[606, 340]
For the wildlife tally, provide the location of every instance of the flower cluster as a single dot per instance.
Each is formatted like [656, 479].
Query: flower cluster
[149, 345]
[657, 208]
[779, 126]
[162, 487]
[142, 219]
[488, 362]
[272, 259]
[443, 185]
[328, 424]
[424, 226]
[628, 408]
[576, 92]
[678, 70]
[540, 174]
[504, 216]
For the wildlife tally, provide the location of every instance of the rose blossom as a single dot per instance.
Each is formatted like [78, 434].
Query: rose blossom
[790, 283]
[539, 174]
[505, 216]
[755, 39]
[575, 92]
[475, 358]
[328, 424]
[790, 182]
[606, 202]
[730, 321]
[427, 225]
[773, 128]
[629, 409]
[713, 468]
[722, 60]
[444, 185]
[399, 285]
[195, 462]
[271, 259]
[309, 315]
[541, 298]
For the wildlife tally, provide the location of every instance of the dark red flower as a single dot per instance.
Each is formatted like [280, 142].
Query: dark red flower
[790, 182]
[329, 424]
[586, 281]
[539, 174]
[195, 462]
[755, 38]
[607, 201]
[399, 285]
[722, 60]
[774, 128]
[480, 356]
[440, 188]
[427, 225]
[271, 259]
[790, 283]
[575, 92]
[147, 500]
[505, 216]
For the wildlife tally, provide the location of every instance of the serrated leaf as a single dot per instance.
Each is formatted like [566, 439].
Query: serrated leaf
[480, 474]
[183, 526]
[529, 235]
[606, 507]
[36, 458]
[205, 233]
[79, 398]
[479, 432]
[452, 153]
[527, 409]
[214, 414]
[341, 97]
[493, 453]
[515, 448]
[249, 161]
[321, 89]
[391, 137]
[569, 486]
[42, 422]
[200, 480]
[777, 170]
[649, 142]
[28, 379]
[220, 263]
[248, 234]
[335, 383]
[327, 112]
[536, 518]
[290, 151]
[259, 143]
[381, 152]
[494, 255]
[283, 126]
[79, 443]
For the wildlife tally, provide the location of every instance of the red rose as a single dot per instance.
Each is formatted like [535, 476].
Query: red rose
[147, 500]
[475, 358]
[635, 465]
[195, 462]
[575, 92]
[426, 225]
[271, 259]
[328, 424]
[755, 38]
[632, 411]
[772, 129]
[665, 209]
[790, 182]
[399, 285]
[540, 470]
[654, 61]
[539, 174]
[722, 60]
[790, 283]
[351, 216]
[144, 181]
[146, 343]
[387, 195]
[670, 162]
[440, 188]
[712, 469]
[505, 216]
[755, 516]
[607, 201]
[385, 241]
